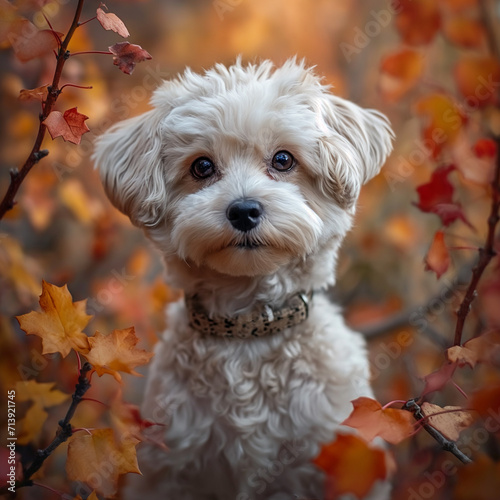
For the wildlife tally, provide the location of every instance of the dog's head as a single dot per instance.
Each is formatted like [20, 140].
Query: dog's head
[244, 169]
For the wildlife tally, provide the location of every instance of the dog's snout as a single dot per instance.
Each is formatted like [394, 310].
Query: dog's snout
[244, 214]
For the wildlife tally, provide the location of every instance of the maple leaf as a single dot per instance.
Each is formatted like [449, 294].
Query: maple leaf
[127, 55]
[351, 466]
[116, 352]
[445, 120]
[474, 75]
[28, 42]
[31, 424]
[437, 258]
[98, 459]
[399, 73]
[38, 94]
[448, 424]
[70, 125]
[484, 349]
[418, 22]
[60, 323]
[110, 21]
[479, 480]
[371, 420]
[438, 379]
[485, 148]
[464, 32]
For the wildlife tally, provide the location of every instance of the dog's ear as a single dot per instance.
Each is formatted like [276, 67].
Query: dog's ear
[128, 157]
[354, 145]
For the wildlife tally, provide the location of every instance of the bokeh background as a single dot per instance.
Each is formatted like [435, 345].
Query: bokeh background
[64, 230]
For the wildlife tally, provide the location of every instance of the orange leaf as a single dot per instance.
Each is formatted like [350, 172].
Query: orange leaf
[110, 21]
[70, 126]
[38, 94]
[28, 42]
[459, 5]
[127, 55]
[399, 73]
[479, 480]
[464, 32]
[60, 323]
[371, 420]
[116, 352]
[438, 257]
[477, 79]
[418, 22]
[98, 460]
[444, 121]
[448, 424]
[351, 466]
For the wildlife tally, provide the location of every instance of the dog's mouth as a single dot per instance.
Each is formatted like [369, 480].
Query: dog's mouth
[248, 244]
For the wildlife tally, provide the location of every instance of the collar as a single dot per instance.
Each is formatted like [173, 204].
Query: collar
[259, 323]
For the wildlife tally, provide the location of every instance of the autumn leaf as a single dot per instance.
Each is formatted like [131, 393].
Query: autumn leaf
[476, 78]
[30, 426]
[479, 480]
[418, 22]
[438, 379]
[486, 402]
[464, 32]
[485, 148]
[127, 55]
[116, 353]
[371, 420]
[484, 349]
[449, 424]
[399, 73]
[28, 42]
[70, 125]
[438, 257]
[98, 459]
[60, 323]
[110, 21]
[444, 121]
[38, 94]
[351, 466]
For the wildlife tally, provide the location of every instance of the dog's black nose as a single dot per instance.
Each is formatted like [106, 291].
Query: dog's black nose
[244, 214]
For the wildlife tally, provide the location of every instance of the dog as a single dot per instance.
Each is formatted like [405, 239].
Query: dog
[246, 180]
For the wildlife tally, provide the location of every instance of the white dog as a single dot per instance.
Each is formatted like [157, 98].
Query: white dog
[246, 178]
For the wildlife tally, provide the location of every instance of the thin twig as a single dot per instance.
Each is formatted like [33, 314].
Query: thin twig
[53, 93]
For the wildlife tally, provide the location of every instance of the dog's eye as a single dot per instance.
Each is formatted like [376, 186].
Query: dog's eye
[202, 168]
[283, 161]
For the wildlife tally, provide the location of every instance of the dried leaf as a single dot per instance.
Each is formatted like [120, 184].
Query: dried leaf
[464, 31]
[70, 125]
[448, 424]
[461, 355]
[371, 420]
[477, 78]
[110, 21]
[437, 258]
[38, 94]
[60, 323]
[351, 466]
[418, 22]
[116, 353]
[483, 349]
[399, 73]
[127, 55]
[98, 460]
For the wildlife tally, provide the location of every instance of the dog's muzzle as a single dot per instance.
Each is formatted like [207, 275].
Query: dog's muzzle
[259, 323]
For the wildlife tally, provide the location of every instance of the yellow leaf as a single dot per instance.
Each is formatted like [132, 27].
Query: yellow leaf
[30, 426]
[60, 323]
[98, 459]
[116, 353]
[41, 393]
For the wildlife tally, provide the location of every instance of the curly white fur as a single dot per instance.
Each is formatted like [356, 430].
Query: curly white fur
[245, 417]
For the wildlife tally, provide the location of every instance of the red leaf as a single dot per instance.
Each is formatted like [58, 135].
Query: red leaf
[110, 21]
[351, 466]
[438, 190]
[127, 55]
[485, 147]
[450, 212]
[371, 420]
[70, 126]
[437, 258]
[438, 379]
[28, 42]
[418, 22]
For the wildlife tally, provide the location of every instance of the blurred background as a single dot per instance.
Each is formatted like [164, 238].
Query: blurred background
[64, 230]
